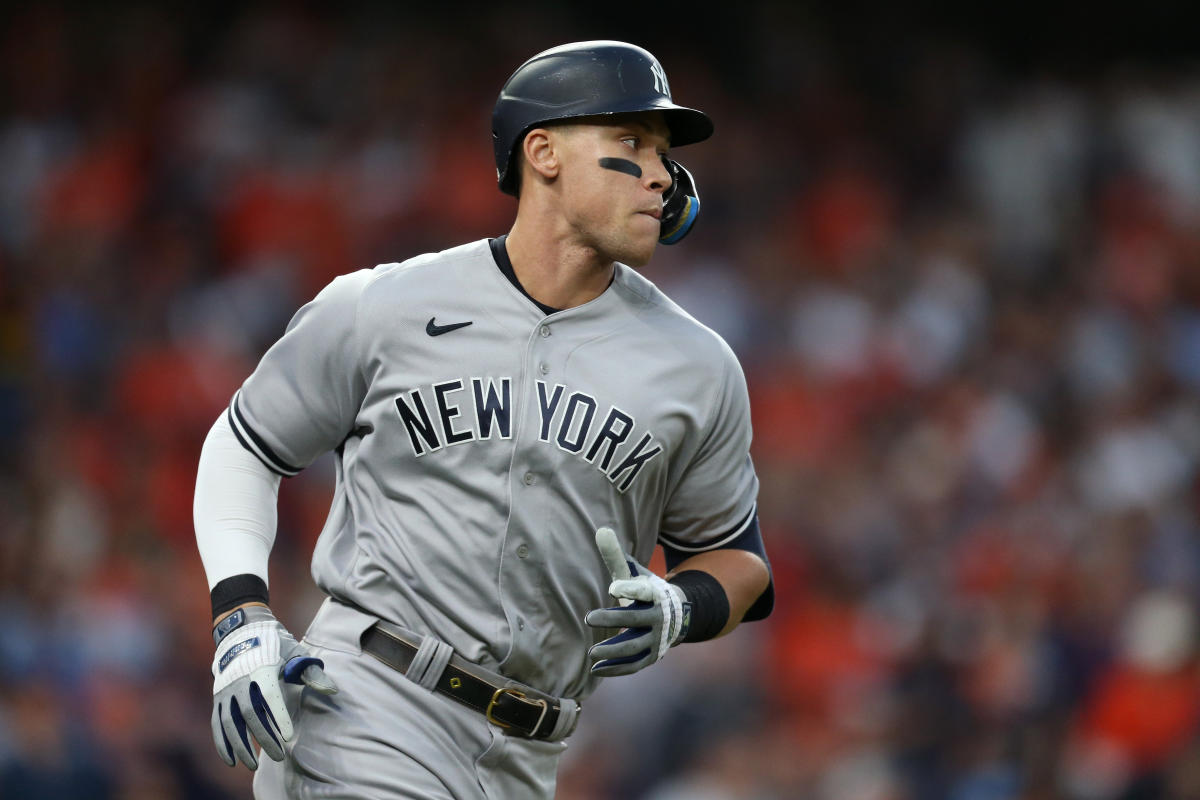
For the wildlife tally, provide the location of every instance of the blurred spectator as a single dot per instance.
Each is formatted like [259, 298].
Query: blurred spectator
[965, 288]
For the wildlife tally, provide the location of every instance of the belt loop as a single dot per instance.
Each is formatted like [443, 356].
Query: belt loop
[429, 662]
[568, 715]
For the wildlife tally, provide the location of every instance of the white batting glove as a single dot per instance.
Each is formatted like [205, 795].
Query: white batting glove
[255, 651]
[655, 614]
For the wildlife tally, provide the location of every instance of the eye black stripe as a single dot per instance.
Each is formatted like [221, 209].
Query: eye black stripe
[622, 165]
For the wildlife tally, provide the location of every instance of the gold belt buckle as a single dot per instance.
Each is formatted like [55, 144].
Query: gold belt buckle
[520, 696]
[496, 699]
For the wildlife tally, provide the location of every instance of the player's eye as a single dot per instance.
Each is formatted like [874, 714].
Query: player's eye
[632, 141]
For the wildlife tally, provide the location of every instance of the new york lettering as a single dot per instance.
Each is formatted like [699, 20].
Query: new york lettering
[460, 411]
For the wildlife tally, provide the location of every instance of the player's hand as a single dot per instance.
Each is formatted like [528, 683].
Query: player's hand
[653, 613]
[255, 652]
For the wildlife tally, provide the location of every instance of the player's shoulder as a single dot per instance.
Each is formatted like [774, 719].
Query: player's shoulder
[671, 323]
[421, 267]
[382, 282]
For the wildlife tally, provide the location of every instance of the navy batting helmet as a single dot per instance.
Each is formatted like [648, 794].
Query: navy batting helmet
[585, 79]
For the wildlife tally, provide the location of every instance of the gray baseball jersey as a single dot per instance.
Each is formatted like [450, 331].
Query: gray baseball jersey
[479, 444]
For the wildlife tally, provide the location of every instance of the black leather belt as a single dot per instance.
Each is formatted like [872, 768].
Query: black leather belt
[519, 711]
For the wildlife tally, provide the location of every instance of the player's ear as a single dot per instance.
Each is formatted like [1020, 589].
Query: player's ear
[542, 153]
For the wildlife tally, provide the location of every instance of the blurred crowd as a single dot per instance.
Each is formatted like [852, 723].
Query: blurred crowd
[967, 302]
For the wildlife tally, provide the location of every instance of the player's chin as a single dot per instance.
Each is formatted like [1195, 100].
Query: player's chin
[639, 246]
[640, 257]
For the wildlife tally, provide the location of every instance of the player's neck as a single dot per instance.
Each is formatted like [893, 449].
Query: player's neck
[555, 270]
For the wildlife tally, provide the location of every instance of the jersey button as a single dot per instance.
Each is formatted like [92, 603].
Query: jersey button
[530, 479]
[545, 331]
[523, 551]
[543, 368]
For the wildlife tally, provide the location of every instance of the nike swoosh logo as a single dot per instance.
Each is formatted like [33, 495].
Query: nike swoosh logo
[434, 329]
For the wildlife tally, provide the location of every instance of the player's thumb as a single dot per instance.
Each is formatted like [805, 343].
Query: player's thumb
[613, 555]
[309, 671]
[314, 677]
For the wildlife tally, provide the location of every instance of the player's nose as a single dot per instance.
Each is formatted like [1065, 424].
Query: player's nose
[656, 177]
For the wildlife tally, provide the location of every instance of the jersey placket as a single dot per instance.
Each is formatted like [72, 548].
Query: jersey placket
[530, 477]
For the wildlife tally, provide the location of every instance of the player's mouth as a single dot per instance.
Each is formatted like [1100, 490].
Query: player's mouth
[653, 212]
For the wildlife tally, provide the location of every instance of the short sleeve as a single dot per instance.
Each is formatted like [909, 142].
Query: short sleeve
[715, 499]
[303, 397]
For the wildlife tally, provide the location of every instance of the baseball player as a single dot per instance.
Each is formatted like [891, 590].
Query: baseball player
[516, 423]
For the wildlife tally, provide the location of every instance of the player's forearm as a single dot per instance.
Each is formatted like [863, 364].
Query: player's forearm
[742, 575]
[235, 515]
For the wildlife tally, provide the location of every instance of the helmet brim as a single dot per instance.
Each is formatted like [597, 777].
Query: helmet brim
[687, 125]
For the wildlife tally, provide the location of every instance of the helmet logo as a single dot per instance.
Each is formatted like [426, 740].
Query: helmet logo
[660, 79]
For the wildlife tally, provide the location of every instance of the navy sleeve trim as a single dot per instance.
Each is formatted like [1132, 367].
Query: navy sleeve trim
[255, 444]
[720, 540]
[750, 540]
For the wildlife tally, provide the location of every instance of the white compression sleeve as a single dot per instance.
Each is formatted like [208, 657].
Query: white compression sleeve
[235, 508]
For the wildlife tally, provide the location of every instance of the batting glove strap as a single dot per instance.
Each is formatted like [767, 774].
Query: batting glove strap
[239, 618]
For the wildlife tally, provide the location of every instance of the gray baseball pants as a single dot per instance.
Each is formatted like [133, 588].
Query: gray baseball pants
[383, 737]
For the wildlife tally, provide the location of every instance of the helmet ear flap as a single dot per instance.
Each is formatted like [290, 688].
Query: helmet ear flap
[681, 204]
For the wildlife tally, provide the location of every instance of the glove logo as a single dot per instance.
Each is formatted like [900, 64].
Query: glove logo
[229, 624]
[236, 651]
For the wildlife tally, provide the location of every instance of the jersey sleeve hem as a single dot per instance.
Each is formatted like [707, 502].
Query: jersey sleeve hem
[255, 443]
[714, 542]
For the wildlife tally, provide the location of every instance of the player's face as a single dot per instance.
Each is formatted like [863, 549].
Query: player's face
[613, 180]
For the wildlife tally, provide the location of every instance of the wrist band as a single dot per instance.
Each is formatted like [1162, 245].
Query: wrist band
[710, 604]
[233, 592]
